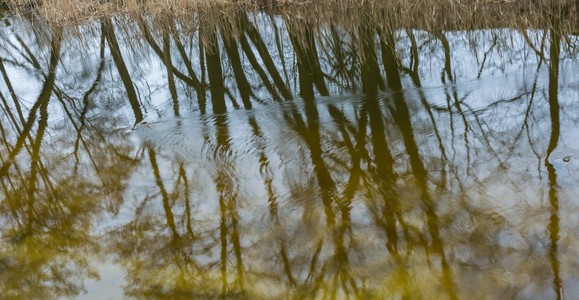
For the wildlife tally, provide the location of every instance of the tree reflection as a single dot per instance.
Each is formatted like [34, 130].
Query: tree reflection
[48, 246]
[376, 193]
[554, 226]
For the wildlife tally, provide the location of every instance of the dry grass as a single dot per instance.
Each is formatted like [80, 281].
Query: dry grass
[422, 13]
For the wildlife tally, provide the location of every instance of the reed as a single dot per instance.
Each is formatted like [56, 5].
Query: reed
[430, 14]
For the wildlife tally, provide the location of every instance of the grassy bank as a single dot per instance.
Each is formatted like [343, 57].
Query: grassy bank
[445, 13]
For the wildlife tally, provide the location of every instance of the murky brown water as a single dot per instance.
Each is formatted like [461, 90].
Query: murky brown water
[288, 158]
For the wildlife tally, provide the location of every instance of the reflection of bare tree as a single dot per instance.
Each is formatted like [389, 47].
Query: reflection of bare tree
[109, 32]
[554, 224]
[384, 177]
[302, 38]
[256, 39]
[56, 180]
[46, 221]
[230, 45]
[369, 163]
[41, 105]
[322, 196]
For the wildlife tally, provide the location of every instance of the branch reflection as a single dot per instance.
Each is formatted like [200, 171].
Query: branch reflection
[367, 157]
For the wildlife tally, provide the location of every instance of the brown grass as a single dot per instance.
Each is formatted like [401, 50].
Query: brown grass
[425, 13]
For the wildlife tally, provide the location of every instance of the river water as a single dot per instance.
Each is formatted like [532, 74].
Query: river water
[259, 155]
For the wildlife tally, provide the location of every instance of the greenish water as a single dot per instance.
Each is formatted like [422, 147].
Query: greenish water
[276, 156]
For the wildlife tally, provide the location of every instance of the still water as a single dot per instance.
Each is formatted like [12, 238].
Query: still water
[285, 156]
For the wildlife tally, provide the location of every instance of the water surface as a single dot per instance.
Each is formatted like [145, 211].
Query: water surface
[271, 155]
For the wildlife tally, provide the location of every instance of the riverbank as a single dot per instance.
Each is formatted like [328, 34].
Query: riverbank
[75, 11]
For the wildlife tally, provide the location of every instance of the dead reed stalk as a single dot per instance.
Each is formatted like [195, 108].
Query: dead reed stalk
[430, 14]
